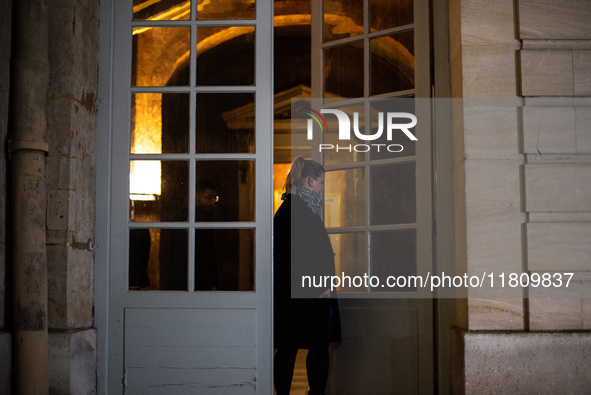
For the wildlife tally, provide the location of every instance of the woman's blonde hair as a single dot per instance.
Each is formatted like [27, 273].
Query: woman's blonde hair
[300, 170]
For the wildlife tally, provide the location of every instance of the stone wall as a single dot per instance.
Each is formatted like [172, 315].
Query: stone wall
[5, 311]
[522, 190]
[70, 185]
[73, 49]
[555, 65]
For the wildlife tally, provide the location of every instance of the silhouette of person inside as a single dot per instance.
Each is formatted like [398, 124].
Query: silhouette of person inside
[304, 318]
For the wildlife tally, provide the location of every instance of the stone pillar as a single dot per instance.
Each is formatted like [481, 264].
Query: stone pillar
[521, 195]
[487, 158]
[555, 66]
[73, 47]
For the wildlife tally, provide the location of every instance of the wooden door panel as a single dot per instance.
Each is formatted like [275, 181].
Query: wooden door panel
[190, 350]
[379, 352]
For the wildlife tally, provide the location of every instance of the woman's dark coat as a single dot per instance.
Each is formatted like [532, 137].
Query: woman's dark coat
[302, 248]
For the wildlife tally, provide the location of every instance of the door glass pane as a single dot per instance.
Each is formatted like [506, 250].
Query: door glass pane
[350, 258]
[225, 191]
[175, 191]
[158, 259]
[158, 190]
[159, 123]
[227, 9]
[172, 259]
[386, 14]
[225, 55]
[343, 70]
[394, 253]
[151, 10]
[392, 63]
[155, 53]
[140, 250]
[393, 194]
[342, 19]
[145, 187]
[225, 122]
[344, 198]
[399, 145]
[224, 259]
[175, 123]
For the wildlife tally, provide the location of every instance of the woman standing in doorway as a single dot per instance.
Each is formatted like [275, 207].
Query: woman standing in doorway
[306, 317]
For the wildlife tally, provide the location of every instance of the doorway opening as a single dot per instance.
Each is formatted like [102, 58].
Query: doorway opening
[362, 52]
[191, 97]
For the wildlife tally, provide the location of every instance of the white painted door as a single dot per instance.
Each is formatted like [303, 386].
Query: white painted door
[188, 289]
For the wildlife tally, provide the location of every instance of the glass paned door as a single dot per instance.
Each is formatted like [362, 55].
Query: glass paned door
[191, 195]
[370, 59]
[183, 191]
[375, 71]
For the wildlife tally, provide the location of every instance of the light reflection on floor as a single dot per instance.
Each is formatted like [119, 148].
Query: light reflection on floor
[299, 384]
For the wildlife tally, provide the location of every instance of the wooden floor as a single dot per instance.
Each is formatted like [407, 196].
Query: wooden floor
[299, 384]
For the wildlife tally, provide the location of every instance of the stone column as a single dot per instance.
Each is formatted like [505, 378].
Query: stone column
[521, 191]
[73, 49]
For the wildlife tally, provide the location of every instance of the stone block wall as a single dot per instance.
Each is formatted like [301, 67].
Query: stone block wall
[487, 159]
[5, 300]
[522, 190]
[555, 64]
[70, 186]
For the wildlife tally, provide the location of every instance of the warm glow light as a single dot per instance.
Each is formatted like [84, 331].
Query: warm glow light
[173, 14]
[280, 171]
[145, 175]
[222, 36]
[144, 179]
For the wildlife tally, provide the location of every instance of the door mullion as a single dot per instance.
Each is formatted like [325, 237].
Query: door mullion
[191, 260]
[263, 195]
[317, 73]
[366, 55]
